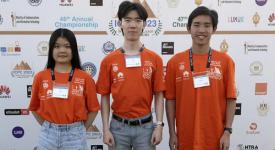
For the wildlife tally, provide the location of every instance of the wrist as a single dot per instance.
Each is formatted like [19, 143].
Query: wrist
[228, 130]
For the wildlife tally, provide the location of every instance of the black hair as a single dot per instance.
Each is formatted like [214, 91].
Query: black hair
[202, 10]
[69, 35]
[125, 7]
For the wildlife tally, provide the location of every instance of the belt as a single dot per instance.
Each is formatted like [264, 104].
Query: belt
[135, 122]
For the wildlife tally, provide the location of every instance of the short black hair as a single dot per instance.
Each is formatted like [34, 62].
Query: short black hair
[202, 10]
[125, 7]
[69, 35]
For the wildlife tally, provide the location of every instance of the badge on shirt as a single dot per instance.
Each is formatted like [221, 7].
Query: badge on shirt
[201, 80]
[133, 61]
[60, 91]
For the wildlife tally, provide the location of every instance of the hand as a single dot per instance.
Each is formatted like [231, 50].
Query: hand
[108, 138]
[173, 142]
[157, 135]
[225, 141]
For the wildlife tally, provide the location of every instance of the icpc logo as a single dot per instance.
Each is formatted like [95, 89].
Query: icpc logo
[90, 68]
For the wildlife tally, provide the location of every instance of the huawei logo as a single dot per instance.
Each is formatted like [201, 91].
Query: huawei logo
[253, 126]
[271, 18]
[4, 89]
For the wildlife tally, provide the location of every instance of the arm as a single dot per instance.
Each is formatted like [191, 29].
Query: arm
[90, 119]
[38, 118]
[230, 113]
[105, 114]
[170, 106]
[159, 106]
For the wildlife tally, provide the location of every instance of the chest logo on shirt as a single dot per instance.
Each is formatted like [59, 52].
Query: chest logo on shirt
[45, 84]
[147, 70]
[215, 70]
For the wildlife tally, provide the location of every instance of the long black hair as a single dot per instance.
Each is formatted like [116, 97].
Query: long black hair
[69, 35]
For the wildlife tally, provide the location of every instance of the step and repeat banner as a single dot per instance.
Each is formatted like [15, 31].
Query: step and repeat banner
[246, 32]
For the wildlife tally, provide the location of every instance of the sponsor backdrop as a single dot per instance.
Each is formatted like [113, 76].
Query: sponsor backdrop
[246, 32]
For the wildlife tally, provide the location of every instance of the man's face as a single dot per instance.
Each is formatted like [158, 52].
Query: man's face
[201, 30]
[132, 26]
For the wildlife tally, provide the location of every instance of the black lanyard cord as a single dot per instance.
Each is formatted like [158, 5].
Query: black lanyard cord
[70, 77]
[191, 59]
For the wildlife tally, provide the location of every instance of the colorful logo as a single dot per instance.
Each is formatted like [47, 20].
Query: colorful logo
[22, 70]
[260, 88]
[256, 19]
[261, 2]
[108, 47]
[4, 91]
[90, 68]
[224, 46]
[18, 132]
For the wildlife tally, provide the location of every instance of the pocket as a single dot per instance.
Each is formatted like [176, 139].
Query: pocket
[116, 125]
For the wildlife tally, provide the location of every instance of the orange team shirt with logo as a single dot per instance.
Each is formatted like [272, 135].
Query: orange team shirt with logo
[132, 88]
[200, 112]
[82, 97]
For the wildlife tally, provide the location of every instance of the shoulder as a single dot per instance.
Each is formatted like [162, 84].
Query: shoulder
[180, 56]
[223, 56]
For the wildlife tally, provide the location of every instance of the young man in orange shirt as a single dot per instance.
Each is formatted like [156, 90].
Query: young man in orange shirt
[132, 74]
[201, 90]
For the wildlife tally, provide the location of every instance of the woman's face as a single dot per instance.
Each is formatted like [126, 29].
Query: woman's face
[62, 52]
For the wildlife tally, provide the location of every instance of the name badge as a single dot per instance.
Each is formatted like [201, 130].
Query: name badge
[60, 91]
[132, 61]
[201, 81]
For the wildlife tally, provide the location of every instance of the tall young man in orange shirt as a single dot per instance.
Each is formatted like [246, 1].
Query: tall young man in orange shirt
[201, 90]
[132, 74]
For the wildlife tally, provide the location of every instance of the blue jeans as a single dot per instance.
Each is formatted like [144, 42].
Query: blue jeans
[62, 137]
[131, 137]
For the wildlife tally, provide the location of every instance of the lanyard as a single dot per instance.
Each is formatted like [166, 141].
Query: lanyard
[70, 77]
[191, 59]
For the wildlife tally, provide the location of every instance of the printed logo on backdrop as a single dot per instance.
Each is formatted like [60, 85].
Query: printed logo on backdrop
[93, 132]
[81, 48]
[5, 91]
[253, 129]
[256, 68]
[96, 147]
[247, 147]
[29, 91]
[18, 132]
[271, 20]
[198, 2]
[261, 89]
[34, 2]
[173, 3]
[261, 2]
[15, 19]
[153, 23]
[96, 2]
[13, 49]
[76, 22]
[66, 3]
[238, 110]
[1, 19]
[167, 48]
[256, 19]
[225, 2]
[235, 19]
[90, 68]
[108, 47]
[16, 112]
[263, 109]
[249, 47]
[22, 70]
[224, 46]
[43, 48]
